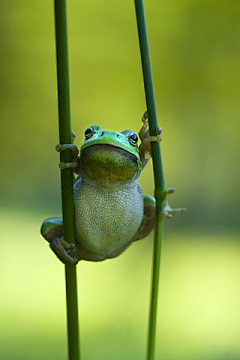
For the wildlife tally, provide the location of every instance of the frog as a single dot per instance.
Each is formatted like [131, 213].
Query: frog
[110, 209]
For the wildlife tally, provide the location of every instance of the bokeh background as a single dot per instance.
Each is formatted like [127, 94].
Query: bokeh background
[195, 57]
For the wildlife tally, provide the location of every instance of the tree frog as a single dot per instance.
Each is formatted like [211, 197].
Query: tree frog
[110, 209]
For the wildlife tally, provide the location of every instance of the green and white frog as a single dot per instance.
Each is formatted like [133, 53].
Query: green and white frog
[110, 210]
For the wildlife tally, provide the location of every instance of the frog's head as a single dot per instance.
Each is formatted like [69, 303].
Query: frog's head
[110, 157]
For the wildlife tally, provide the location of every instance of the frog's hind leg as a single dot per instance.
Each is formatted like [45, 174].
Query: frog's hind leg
[168, 212]
[52, 231]
[148, 220]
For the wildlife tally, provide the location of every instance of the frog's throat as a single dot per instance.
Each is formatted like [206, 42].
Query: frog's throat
[107, 164]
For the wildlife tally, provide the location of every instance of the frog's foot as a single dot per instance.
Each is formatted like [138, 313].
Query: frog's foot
[145, 147]
[64, 250]
[52, 231]
[168, 212]
[74, 149]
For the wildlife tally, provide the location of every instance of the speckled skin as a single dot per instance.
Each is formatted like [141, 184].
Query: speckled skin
[115, 217]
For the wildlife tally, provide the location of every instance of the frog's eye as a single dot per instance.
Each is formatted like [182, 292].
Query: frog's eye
[89, 132]
[133, 139]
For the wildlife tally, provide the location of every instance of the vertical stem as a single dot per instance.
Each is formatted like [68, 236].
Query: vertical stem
[66, 174]
[160, 191]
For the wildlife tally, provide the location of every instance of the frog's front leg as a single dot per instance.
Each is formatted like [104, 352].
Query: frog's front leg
[75, 158]
[52, 231]
[145, 146]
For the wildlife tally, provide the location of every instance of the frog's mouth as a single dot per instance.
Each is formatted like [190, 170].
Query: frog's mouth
[104, 162]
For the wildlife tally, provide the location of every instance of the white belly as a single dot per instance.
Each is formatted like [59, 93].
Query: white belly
[105, 221]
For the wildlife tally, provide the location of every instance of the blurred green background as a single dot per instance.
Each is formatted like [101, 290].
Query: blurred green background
[195, 57]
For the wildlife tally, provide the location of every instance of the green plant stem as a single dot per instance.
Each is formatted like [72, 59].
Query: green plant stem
[66, 174]
[160, 191]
